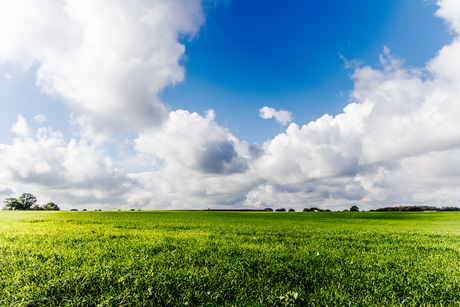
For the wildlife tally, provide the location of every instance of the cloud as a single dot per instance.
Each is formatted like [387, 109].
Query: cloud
[203, 164]
[20, 128]
[448, 10]
[282, 117]
[7, 76]
[70, 173]
[106, 59]
[40, 118]
[188, 140]
[392, 145]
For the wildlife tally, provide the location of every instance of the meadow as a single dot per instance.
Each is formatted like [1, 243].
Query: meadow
[200, 258]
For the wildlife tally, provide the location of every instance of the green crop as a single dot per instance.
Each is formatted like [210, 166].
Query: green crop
[229, 259]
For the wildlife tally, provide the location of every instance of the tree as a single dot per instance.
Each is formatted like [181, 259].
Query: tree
[28, 201]
[12, 203]
[51, 206]
[354, 208]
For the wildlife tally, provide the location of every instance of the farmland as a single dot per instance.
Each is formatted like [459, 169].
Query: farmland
[229, 259]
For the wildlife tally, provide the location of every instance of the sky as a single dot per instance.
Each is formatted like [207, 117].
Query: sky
[189, 104]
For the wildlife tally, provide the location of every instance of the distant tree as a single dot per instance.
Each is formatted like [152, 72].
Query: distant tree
[51, 206]
[84, 210]
[37, 207]
[354, 208]
[28, 201]
[73, 209]
[280, 210]
[12, 203]
[268, 209]
[133, 210]
[291, 210]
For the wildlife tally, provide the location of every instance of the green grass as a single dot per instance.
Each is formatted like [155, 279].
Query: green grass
[229, 259]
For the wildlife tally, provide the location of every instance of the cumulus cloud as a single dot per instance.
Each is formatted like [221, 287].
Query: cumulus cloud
[7, 76]
[20, 128]
[70, 173]
[40, 118]
[281, 116]
[107, 59]
[390, 146]
[203, 164]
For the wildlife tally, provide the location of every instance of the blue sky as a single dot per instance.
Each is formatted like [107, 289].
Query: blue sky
[255, 53]
[99, 99]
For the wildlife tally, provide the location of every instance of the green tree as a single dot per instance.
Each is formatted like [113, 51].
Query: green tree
[12, 203]
[354, 208]
[28, 201]
[51, 206]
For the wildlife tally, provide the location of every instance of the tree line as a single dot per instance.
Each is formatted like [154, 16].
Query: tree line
[27, 202]
[416, 208]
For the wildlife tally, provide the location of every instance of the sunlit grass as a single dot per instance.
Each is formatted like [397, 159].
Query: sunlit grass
[229, 259]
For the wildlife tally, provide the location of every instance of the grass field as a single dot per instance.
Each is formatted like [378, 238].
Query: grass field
[229, 259]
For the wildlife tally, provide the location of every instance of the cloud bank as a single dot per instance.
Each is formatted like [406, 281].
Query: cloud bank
[396, 143]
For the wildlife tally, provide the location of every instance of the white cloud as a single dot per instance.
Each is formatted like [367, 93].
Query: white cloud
[71, 174]
[107, 59]
[20, 128]
[7, 76]
[391, 146]
[282, 117]
[448, 10]
[203, 164]
[40, 118]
